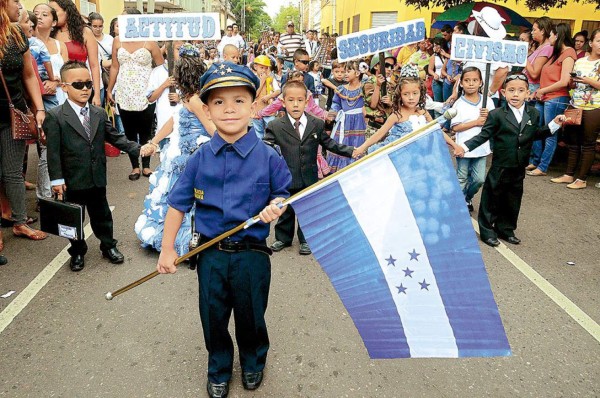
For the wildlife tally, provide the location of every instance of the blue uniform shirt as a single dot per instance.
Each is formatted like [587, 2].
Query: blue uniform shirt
[230, 184]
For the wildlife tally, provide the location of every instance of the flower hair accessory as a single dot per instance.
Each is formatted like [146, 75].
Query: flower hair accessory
[189, 50]
[409, 70]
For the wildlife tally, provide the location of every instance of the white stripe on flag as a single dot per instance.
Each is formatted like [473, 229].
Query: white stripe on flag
[387, 220]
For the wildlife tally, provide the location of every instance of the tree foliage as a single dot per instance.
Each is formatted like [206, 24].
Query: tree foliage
[531, 4]
[257, 19]
[285, 14]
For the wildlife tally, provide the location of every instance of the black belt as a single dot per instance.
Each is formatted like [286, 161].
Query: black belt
[241, 246]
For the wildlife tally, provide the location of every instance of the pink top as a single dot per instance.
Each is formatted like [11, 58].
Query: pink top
[311, 108]
[543, 51]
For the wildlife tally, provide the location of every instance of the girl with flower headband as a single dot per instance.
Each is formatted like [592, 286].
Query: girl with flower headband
[186, 130]
[409, 113]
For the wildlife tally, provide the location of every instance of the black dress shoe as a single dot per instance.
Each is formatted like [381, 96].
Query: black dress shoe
[492, 242]
[3, 260]
[304, 249]
[113, 255]
[513, 240]
[279, 245]
[77, 263]
[217, 390]
[251, 381]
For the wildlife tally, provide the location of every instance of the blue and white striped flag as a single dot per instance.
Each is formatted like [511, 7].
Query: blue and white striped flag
[395, 238]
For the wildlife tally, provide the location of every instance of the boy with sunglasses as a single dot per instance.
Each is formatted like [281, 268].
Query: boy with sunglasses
[76, 132]
[513, 128]
[301, 61]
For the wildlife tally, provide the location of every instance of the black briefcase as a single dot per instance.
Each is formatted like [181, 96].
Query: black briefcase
[61, 218]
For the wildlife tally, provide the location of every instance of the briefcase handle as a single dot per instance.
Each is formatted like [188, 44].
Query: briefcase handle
[55, 197]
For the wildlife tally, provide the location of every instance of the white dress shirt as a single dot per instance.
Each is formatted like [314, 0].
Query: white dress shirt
[303, 120]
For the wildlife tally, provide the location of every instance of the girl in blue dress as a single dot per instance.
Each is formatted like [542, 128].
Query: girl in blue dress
[350, 126]
[409, 113]
[186, 130]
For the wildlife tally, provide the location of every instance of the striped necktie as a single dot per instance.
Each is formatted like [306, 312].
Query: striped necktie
[86, 121]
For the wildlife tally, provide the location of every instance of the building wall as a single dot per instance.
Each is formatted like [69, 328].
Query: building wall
[579, 15]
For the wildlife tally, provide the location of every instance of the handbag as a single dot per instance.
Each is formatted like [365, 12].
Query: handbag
[24, 125]
[105, 73]
[574, 116]
[61, 218]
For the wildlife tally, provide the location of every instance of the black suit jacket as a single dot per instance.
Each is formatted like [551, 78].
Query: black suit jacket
[301, 155]
[74, 157]
[512, 140]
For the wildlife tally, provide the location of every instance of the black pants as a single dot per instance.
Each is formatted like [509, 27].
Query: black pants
[284, 229]
[94, 199]
[501, 202]
[237, 282]
[138, 128]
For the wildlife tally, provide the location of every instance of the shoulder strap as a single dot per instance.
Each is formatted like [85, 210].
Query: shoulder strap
[103, 49]
[10, 104]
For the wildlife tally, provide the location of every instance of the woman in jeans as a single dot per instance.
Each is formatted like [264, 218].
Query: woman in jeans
[18, 72]
[553, 95]
[131, 66]
[582, 139]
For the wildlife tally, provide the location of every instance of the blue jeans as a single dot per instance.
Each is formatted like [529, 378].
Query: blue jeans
[438, 90]
[542, 151]
[471, 175]
[447, 90]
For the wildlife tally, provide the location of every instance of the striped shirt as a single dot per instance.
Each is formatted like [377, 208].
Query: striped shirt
[291, 43]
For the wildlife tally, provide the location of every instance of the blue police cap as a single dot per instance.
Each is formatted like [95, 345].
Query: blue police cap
[227, 74]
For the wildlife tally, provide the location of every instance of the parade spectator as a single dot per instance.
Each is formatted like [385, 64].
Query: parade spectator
[405, 53]
[238, 39]
[227, 39]
[379, 105]
[538, 58]
[421, 58]
[231, 54]
[446, 33]
[586, 96]
[553, 95]
[580, 42]
[527, 37]
[349, 128]
[105, 43]
[132, 66]
[311, 44]
[436, 62]
[290, 42]
[79, 39]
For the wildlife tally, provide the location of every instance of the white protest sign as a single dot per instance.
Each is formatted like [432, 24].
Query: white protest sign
[376, 40]
[165, 27]
[484, 49]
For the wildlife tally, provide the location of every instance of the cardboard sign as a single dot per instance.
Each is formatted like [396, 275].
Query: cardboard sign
[165, 27]
[376, 40]
[483, 49]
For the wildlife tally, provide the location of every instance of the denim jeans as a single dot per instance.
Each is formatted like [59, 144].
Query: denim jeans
[447, 90]
[437, 87]
[471, 175]
[542, 151]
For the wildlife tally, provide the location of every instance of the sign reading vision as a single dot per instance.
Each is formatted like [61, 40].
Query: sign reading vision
[483, 49]
[165, 27]
[376, 40]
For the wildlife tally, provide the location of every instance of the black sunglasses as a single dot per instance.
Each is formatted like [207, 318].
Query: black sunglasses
[516, 76]
[305, 62]
[389, 66]
[81, 85]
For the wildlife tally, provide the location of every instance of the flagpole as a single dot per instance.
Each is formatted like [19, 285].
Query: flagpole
[449, 114]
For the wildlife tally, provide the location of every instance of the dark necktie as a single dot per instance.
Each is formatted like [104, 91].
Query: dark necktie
[86, 121]
[297, 128]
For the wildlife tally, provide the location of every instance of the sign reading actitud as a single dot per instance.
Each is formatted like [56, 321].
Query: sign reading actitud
[376, 40]
[483, 49]
[165, 27]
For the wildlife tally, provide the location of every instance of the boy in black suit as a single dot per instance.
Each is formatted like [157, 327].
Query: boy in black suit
[76, 133]
[513, 127]
[299, 136]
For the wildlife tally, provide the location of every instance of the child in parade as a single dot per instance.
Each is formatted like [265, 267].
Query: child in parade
[333, 82]
[349, 128]
[470, 117]
[513, 127]
[268, 85]
[409, 113]
[314, 69]
[230, 179]
[186, 130]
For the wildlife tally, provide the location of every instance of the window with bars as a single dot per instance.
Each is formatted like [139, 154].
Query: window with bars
[356, 23]
[590, 26]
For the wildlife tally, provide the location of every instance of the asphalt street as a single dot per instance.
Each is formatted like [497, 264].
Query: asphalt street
[68, 341]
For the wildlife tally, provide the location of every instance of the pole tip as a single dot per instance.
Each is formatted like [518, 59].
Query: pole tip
[108, 296]
[450, 113]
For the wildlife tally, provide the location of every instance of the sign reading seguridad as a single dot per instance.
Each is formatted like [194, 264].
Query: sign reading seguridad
[483, 49]
[376, 40]
[165, 27]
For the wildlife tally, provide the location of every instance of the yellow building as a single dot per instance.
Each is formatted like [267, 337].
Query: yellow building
[107, 8]
[347, 16]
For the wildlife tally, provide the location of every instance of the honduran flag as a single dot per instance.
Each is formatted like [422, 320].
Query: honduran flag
[394, 236]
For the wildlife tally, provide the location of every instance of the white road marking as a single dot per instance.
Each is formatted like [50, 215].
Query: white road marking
[549, 290]
[22, 300]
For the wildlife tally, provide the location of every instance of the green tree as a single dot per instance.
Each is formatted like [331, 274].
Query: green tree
[284, 15]
[256, 17]
[531, 4]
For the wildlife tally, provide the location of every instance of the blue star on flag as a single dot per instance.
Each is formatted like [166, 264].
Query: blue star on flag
[401, 289]
[414, 255]
[408, 272]
[391, 261]
[424, 285]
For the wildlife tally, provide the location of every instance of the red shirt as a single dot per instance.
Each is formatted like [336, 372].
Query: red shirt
[551, 72]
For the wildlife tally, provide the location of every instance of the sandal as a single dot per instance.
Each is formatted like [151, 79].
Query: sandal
[147, 174]
[577, 184]
[536, 173]
[564, 179]
[530, 167]
[26, 231]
